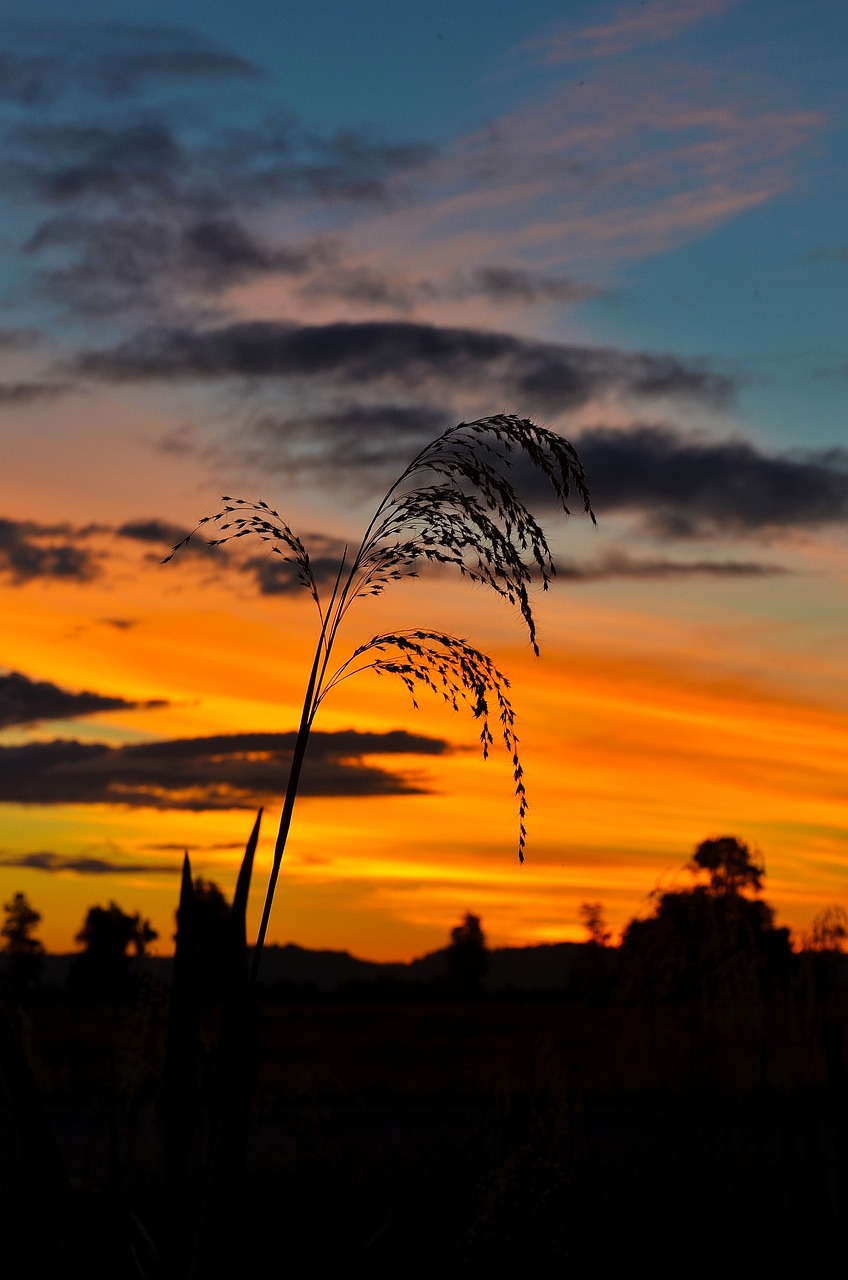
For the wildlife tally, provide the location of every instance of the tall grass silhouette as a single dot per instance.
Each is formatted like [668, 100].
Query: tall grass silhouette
[455, 505]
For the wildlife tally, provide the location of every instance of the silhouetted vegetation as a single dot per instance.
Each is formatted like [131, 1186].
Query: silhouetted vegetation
[710, 943]
[23, 952]
[455, 505]
[399, 1118]
[103, 972]
[592, 919]
[467, 959]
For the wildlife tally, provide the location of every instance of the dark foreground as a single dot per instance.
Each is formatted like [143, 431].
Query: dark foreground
[456, 1139]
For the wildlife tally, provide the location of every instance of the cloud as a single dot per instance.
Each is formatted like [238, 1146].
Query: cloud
[222, 251]
[153, 209]
[628, 29]
[44, 860]
[218, 846]
[133, 260]
[228, 771]
[29, 551]
[148, 207]
[165, 536]
[498, 283]
[25, 701]
[545, 377]
[209, 173]
[517, 284]
[70, 163]
[276, 576]
[21, 393]
[618, 564]
[687, 486]
[15, 338]
[366, 435]
[110, 59]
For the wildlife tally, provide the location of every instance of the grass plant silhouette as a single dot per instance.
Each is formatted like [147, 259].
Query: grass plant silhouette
[453, 505]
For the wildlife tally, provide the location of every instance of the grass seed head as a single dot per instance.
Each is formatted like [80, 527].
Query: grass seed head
[455, 506]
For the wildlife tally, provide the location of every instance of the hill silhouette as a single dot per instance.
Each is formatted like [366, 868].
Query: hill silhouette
[544, 967]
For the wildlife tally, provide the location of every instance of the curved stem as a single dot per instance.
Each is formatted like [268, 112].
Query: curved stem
[310, 701]
[298, 757]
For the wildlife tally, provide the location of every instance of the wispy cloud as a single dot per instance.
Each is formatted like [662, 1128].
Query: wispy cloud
[629, 28]
[17, 337]
[158, 209]
[619, 564]
[16, 394]
[111, 59]
[56, 863]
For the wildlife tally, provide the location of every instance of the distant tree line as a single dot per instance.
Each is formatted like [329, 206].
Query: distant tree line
[713, 940]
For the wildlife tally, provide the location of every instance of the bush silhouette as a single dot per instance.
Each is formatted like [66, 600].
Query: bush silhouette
[23, 953]
[103, 972]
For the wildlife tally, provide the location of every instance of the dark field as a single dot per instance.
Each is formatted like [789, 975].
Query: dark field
[460, 1138]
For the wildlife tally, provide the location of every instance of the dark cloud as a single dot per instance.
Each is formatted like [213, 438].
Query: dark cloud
[217, 252]
[29, 551]
[275, 576]
[158, 531]
[218, 846]
[130, 260]
[622, 565]
[15, 338]
[44, 860]
[20, 393]
[165, 537]
[143, 203]
[381, 437]
[135, 157]
[688, 486]
[499, 284]
[367, 286]
[543, 377]
[119, 162]
[515, 284]
[146, 214]
[111, 59]
[234, 771]
[25, 701]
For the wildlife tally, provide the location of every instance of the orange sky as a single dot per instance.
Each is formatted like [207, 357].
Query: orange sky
[643, 730]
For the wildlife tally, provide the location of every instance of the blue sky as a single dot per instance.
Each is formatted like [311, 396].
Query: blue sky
[759, 289]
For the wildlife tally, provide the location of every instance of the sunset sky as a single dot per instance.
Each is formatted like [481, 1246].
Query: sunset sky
[271, 250]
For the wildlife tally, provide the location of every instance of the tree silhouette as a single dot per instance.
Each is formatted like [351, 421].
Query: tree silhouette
[24, 953]
[592, 919]
[730, 863]
[467, 957]
[828, 931]
[103, 970]
[710, 942]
